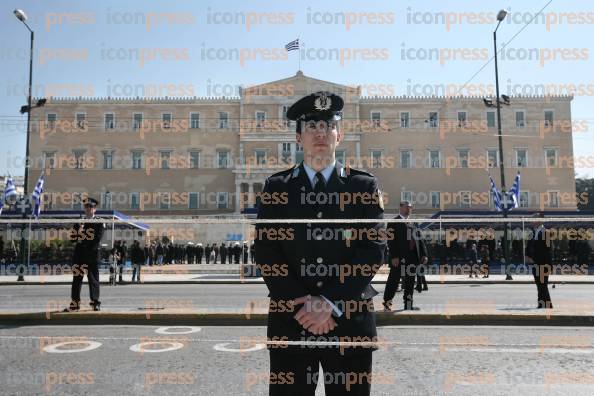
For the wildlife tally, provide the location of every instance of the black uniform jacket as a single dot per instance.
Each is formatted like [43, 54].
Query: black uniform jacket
[88, 238]
[336, 261]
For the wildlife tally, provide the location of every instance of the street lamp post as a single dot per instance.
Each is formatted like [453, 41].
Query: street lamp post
[500, 17]
[21, 16]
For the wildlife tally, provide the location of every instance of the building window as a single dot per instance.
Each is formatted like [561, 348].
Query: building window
[490, 119]
[135, 201]
[77, 201]
[49, 160]
[376, 119]
[404, 119]
[551, 157]
[524, 199]
[341, 156]
[465, 200]
[462, 118]
[522, 158]
[406, 196]
[286, 121]
[298, 154]
[222, 159]
[433, 119]
[109, 121]
[194, 159]
[260, 157]
[106, 202]
[164, 157]
[260, 119]
[194, 120]
[194, 199]
[435, 199]
[553, 199]
[79, 159]
[286, 153]
[166, 120]
[222, 200]
[549, 116]
[405, 159]
[463, 158]
[223, 120]
[376, 158]
[434, 159]
[108, 159]
[81, 122]
[136, 160]
[492, 158]
[51, 119]
[520, 119]
[137, 121]
[164, 200]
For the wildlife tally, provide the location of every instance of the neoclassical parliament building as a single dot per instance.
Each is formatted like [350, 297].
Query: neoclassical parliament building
[211, 156]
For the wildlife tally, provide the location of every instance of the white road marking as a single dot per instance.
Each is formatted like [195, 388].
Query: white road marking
[223, 348]
[55, 348]
[167, 330]
[141, 347]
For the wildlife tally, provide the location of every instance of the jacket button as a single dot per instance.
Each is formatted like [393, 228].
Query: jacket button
[303, 261]
[320, 260]
[318, 237]
[319, 215]
[362, 295]
[320, 284]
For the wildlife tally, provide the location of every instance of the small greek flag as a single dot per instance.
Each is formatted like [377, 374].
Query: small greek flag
[513, 195]
[36, 196]
[496, 195]
[293, 45]
[9, 191]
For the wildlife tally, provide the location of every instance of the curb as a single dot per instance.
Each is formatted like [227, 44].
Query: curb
[399, 318]
[250, 281]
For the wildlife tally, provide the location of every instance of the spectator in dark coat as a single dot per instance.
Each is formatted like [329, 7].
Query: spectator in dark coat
[207, 252]
[137, 258]
[223, 251]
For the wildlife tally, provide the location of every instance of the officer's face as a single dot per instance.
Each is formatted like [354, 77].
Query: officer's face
[319, 139]
[90, 210]
[405, 210]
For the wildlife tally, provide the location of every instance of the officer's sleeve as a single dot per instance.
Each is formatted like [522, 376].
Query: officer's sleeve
[368, 255]
[283, 283]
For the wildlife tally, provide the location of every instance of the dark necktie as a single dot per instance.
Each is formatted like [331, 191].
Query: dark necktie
[320, 183]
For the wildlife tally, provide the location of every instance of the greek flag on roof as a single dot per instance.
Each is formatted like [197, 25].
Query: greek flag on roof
[293, 45]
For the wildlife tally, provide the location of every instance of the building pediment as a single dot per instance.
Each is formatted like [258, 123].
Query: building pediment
[297, 86]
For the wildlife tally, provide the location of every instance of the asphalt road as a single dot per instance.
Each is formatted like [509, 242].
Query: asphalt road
[234, 297]
[414, 361]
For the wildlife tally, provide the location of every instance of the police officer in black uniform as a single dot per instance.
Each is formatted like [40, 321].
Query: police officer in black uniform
[86, 257]
[319, 275]
[539, 255]
[407, 251]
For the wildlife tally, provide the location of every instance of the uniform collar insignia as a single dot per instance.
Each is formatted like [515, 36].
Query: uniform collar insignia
[295, 172]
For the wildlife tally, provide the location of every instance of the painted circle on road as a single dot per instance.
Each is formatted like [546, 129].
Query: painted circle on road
[188, 330]
[142, 347]
[55, 348]
[223, 348]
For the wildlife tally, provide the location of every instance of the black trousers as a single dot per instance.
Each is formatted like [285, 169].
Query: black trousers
[421, 281]
[92, 272]
[298, 374]
[408, 283]
[541, 279]
[392, 282]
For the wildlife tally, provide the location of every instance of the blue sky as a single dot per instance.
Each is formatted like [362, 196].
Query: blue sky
[77, 44]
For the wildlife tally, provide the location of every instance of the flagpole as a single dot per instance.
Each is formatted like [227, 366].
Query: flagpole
[299, 52]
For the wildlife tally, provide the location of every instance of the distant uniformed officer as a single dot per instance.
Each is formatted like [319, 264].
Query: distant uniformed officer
[319, 275]
[539, 255]
[86, 257]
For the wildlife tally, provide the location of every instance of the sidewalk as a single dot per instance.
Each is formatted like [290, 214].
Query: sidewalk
[171, 275]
